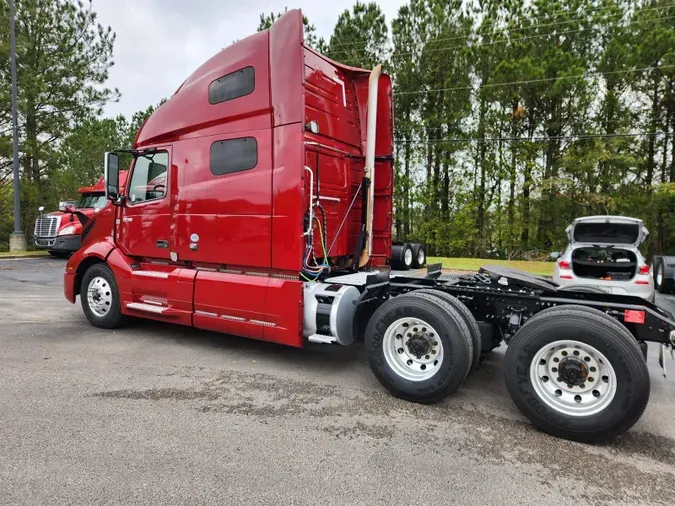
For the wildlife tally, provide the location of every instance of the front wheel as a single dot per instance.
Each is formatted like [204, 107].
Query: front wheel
[577, 374]
[100, 297]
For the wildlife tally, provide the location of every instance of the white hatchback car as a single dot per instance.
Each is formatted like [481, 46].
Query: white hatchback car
[603, 253]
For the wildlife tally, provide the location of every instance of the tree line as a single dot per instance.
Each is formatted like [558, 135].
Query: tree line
[512, 118]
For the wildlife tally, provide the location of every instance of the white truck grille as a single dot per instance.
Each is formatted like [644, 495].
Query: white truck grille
[47, 226]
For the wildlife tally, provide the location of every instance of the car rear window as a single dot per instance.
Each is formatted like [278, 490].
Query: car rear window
[608, 233]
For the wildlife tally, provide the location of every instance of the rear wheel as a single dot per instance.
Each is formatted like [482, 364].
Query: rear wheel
[59, 254]
[578, 374]
[418, 347]
[401, 257]
[663, 279]
[467, 316]
[100, 297]
[419, 256]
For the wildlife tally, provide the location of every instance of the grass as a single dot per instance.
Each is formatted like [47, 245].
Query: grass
[22, 253]
[473, 264]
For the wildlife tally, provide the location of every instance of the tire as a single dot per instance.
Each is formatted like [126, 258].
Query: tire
[467, 316]
[604, 342]
[103, 308]
[661, 271]
[439, 319]
[419, 256]
[401, 257]
[58, 254]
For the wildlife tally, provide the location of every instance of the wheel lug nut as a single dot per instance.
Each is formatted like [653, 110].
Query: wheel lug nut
[559, 379]
[427, 357]
[590, 379]
[435, 343]
[400, 350]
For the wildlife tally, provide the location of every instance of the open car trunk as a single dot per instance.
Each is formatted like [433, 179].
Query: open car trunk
[608, 263]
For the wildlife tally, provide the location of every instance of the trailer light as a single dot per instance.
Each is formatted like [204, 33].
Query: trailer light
[564, 265]
[644, 269]
[638, 282]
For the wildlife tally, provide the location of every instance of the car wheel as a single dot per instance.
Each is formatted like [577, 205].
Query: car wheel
[100, 297]
[577, 374]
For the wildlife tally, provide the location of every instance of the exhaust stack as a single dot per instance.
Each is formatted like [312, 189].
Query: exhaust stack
[371, 124]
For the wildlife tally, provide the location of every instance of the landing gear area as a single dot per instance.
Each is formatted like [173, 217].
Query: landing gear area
[574, 365]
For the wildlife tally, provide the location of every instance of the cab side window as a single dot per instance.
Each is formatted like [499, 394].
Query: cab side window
[149, 177]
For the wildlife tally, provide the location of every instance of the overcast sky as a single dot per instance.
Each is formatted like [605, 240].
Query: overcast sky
[160, 42]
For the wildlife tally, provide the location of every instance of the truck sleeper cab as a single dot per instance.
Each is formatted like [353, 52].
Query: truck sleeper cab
[259, 204]
[249, 181]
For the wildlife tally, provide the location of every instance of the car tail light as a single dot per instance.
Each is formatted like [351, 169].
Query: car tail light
[642, 282]
[566, 276]
[564, 265]
[644, 269]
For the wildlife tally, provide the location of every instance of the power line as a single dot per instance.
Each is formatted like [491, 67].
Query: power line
[494, 32]
[535, 139]
[542, 80]
[514, 40]
[589, 120]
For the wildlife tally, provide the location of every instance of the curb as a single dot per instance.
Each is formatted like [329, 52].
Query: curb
[18, 257]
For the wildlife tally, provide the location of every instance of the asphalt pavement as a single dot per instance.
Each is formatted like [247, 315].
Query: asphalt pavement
[161, 414]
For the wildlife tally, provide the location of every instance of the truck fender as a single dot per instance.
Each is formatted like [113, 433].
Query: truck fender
[79, 263]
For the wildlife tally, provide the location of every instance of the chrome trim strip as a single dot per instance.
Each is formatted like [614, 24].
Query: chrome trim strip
[151, 274]
[206, 313]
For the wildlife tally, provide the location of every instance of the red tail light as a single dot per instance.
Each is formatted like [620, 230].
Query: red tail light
[565, 276]
[642, 282]
[644, 269]
[563, 265]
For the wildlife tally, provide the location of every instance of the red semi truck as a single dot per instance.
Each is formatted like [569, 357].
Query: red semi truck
[59, 232]
[259, 204]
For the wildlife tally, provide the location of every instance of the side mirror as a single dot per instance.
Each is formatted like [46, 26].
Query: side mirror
[555, 255]
[112, 176]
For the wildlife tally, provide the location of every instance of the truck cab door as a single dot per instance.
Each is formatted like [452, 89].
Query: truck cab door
[144, 220]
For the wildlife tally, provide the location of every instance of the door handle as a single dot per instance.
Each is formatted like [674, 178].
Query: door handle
[127, 219]
[162, 244]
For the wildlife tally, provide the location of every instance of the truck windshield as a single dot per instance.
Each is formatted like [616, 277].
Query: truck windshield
[89, 200]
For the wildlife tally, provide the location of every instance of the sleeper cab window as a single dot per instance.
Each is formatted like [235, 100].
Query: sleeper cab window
[234, 85]
[233, 155]
[148, 178]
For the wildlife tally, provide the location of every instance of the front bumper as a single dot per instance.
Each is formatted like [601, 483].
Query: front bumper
[65, 243]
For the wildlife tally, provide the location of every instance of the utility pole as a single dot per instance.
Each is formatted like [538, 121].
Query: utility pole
[17, 241]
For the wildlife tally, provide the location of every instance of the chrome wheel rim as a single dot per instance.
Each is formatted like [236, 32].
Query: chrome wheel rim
[412, 348]
[420, 257]
[407, 256]
[573, 378]
[99, 296]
